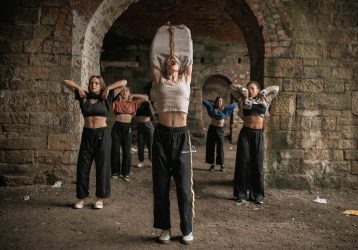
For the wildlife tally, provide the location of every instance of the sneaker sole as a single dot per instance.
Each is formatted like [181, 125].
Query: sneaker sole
[163, 241]
[186, 242]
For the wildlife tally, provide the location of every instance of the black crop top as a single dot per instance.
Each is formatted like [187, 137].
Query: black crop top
[145, 109]
[100, 108]
[256, 109]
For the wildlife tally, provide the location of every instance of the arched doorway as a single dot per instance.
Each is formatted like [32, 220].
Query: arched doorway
[214, 85]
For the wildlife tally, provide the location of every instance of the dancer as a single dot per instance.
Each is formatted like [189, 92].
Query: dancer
[125, 108]
[215, 135]
[145, 130]
[249, 172]
[96, 141]
[171, 152]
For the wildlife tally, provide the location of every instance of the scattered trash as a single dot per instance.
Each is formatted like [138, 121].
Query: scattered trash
[193, 149]
[57, 184]
[350, 212]
[26, 197]
[320, 200]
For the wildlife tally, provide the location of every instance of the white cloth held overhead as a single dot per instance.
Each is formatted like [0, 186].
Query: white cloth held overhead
[183, 46]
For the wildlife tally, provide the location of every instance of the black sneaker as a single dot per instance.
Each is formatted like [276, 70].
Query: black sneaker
[212, 168]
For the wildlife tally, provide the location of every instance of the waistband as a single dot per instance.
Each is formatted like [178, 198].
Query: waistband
[94, 131]
[123, 123]
[144, 123]
[172, 129]
[216, 126]
[253, 129]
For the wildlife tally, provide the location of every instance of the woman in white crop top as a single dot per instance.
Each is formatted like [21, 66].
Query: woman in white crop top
[177, 116]
[171, 149]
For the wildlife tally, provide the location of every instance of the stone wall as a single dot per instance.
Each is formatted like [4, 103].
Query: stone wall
[307, 47]
[312, 137]
[37, 141]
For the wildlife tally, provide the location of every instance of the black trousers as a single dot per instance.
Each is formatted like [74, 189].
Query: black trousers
[172, 157]
[121, 138]
[145, 137]
[215, 137]
[95, 144]
[249, 171]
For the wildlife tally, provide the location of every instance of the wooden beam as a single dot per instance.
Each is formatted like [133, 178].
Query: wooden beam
[119, 64]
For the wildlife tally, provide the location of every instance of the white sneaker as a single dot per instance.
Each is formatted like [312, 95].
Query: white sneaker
[98, 204]
[140, 164]
[188, 239]
[164, 237]
[79, 204]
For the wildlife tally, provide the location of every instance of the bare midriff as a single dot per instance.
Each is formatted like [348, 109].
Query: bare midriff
[95, 122]
[125, 118]
[217, 123]
[142, 119]
[173, 119]
[255, 122]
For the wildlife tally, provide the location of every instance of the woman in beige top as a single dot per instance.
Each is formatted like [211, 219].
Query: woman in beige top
[171, 151]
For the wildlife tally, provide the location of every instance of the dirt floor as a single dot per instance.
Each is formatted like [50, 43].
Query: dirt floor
[41, 217]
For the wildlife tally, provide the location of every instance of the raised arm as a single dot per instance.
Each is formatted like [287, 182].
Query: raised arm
[71, 85]
[139, 97]
[269, 93]
[156, 74]
[187, 74]
[116, 85]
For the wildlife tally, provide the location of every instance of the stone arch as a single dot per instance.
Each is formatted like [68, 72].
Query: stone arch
[231, 75]
[266, 28]
[88, 37]
[265, 25]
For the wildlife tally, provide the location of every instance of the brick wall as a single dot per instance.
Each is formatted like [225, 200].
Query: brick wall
[308, 48]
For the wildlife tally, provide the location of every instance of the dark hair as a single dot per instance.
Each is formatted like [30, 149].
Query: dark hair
[216, 101]
[255, 83]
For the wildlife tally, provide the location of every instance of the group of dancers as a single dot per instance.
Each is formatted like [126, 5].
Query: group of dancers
[168, 143]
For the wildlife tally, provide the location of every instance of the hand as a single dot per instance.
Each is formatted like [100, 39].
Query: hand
[82, 93]
[245, 94]
[263, 98]
[105, 94]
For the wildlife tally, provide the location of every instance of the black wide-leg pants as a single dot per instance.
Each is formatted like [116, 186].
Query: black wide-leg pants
[171, 156]
[145, 137]
[95, 144]
[249, 171]
[121, 138]
[215, 137]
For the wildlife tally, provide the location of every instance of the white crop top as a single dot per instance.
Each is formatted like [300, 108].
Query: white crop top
[172, 97]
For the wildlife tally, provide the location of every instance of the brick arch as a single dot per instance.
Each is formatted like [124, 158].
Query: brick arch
[88, 36]
[266, 28]
[268, 35]
[230, 75]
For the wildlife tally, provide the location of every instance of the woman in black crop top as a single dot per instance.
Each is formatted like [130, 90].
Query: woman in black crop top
[249, 173]
[96, 140]
[145, 130]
